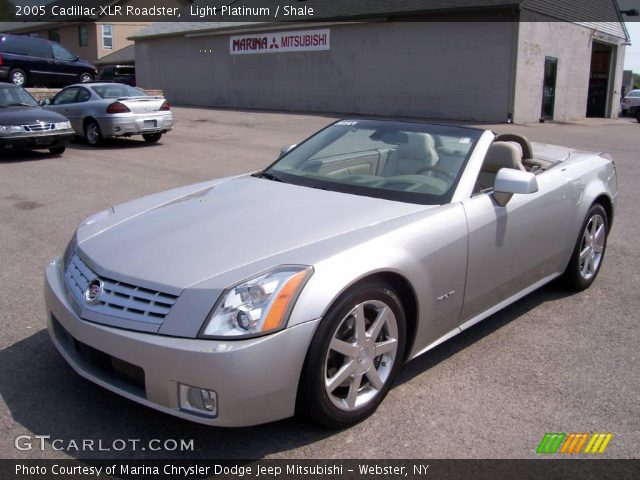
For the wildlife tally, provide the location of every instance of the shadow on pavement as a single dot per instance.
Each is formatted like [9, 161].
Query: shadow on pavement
[47, 397]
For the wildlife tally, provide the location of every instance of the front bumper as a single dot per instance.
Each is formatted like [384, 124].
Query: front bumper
[36, 140]
[130, 124]
[256, 380]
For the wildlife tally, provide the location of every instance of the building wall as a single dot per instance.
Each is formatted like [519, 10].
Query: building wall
[441, 70]
[571, 44]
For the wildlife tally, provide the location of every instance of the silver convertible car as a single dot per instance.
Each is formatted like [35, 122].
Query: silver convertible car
[99, 110]
[305, 286]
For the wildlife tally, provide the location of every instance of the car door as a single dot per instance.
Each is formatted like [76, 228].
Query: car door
[65, 67]
[517, 246]
[65, 103]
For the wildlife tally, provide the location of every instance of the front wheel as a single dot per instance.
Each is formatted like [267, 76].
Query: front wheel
[588, 253]
[151, 137]
[57, 150]
[354, 356]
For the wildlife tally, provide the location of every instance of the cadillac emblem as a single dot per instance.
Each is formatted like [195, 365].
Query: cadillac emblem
[93, 291]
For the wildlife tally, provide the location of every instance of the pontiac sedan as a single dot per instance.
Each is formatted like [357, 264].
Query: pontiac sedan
[101, 110]
[305, 286]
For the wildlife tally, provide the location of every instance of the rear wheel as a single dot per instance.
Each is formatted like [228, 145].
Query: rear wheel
[152, 137]
[588, 253]
[93, 134]
[18, 77]
[354, 356]
[86, 77]
[57, 150]
[638, 116]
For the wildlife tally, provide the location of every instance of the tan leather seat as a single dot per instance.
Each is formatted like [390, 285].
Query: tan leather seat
[408, 158]
[500, 155]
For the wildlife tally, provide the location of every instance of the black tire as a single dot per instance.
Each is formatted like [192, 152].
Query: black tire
[314, 400]
[638, 116]
[92, 133]
[86, 77]
[17, 76]
[57, 150]
[574, 276]
[151, 137]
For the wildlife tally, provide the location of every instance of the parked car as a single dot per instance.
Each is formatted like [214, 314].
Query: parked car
[23, 124]
[305, 286]
[100, 110]
[630, 104]
[118, 73]
[34, 61]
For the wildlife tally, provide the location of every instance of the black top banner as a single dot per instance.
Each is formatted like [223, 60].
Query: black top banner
[317, 10]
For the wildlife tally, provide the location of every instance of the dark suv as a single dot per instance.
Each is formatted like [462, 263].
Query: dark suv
[34, 61]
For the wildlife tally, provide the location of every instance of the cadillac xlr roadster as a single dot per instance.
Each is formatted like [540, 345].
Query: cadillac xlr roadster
[304, 287]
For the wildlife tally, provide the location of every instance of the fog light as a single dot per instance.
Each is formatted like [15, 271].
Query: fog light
[198, 400]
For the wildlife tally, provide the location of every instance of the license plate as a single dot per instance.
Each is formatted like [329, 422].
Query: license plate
[150, 124]
[43, 141]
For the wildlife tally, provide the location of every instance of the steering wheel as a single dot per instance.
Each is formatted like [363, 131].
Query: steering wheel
[439, 170]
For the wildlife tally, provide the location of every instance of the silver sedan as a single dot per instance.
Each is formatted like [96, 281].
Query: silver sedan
[101, 110]
[305, 286]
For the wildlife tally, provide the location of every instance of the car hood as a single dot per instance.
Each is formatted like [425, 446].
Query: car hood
[213, 229]
[28, 115]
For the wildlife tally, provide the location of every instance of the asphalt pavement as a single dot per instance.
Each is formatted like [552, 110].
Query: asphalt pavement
[552, 362]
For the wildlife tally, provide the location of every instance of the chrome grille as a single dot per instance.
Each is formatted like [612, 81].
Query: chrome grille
[118, 299]
[39, 127]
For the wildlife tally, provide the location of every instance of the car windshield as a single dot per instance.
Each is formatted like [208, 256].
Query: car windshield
[117, 90]
[408, 162]
[15, 97]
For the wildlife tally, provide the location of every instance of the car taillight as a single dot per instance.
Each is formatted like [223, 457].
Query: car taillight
[165, 107]
[117, 107]
[1, 61]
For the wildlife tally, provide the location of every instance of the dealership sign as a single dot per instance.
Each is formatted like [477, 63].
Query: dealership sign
[277, 42]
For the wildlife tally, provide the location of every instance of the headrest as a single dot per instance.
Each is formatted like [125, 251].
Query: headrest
[502, 155]
[419, 146]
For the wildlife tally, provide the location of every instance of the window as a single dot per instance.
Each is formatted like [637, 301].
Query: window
[68, 95]
[54, 35]
[25, 46]
[83, 35]
[62, 53]
[107, 37]
[83, 95]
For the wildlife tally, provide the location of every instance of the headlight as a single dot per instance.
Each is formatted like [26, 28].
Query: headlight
[9, 129]
[257, 306]
[63, 125]
[96, 217]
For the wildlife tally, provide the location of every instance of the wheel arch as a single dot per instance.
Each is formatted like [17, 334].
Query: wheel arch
[406, 293]
[606, 202]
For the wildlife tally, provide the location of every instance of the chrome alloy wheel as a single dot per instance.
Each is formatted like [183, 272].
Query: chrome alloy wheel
[361, 355]
[592, 246]
[18, 78]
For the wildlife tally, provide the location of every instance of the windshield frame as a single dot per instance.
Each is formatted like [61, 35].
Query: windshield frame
[387, 194]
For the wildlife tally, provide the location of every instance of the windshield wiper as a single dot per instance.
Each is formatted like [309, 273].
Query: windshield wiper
[267, 175]
[19, 105]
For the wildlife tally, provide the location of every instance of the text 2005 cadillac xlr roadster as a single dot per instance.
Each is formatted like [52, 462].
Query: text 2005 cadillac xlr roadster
[305, 286]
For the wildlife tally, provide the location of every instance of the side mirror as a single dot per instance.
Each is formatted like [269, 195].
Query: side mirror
[510, 181]
[76, 58]
[286, 149]
[46, 101]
